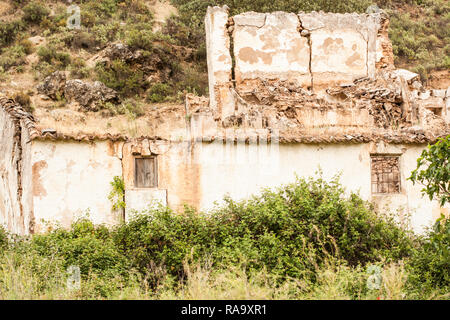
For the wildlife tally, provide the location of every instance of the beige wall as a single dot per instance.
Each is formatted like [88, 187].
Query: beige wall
[307, 50]
[269, 46]
[219, 60]
[71, 178]
[242, 170]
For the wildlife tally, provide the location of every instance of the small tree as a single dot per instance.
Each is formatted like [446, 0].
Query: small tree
[436, 176]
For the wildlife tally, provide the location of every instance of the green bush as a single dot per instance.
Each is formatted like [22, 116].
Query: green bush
[192, 80]
[289, 231]
[52, 56]
[121, 77]
[51, 60]
[101, 9]
[88, 246]
[429, 267]
[140, 36]
[293, 232]
[135, 11]
[9, 31]
[3, 239]
[34, 12]
[158, 92]
[12, 56]
[78, 69]
[106, 33]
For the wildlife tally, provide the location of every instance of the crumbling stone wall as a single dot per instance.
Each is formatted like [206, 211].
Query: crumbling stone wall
[310, 71]
[306, 50]
[15, 215]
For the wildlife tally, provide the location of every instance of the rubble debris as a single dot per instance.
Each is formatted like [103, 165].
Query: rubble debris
[53, 85]
[409, 76]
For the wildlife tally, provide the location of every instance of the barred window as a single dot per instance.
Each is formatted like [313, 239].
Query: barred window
[385, 174]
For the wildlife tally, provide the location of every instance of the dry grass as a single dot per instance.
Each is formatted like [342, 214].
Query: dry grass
[29, 276]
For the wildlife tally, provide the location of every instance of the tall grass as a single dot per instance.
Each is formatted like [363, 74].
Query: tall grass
[335, 281]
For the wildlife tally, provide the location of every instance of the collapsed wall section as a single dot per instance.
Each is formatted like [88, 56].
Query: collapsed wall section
[302, 53]
[270, 47]
[339, 46]
[219, 60]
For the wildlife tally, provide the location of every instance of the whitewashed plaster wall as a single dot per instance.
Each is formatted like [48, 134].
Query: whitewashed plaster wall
[71, 179]
[242, 170]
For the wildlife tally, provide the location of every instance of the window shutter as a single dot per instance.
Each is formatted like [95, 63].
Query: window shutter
[145, 172]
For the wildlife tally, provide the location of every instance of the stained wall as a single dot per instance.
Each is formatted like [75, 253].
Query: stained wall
[11, 215]
[241, 170]
[307, 50]
[71, 180]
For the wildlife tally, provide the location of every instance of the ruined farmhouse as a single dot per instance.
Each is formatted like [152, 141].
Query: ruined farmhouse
[288, 93]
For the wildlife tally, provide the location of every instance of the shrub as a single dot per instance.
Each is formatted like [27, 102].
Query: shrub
[24, 100]
[9, 31]
[121, 77]
[162, 239]
[140, 37]
[100, 9]
[290, 231]
[88, 246]
[84, 40]
[135, 11]
[12, 56]
[106, 33]
[429, 267]
[78, 69]
[132, 107]
[27, 46]
[158, 92]
[3, 239]
[50, 59]
[193, 80]
[49, 54]
[304, 237]
[34, 12]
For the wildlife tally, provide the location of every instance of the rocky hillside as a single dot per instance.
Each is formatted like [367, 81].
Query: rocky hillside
[132, 55]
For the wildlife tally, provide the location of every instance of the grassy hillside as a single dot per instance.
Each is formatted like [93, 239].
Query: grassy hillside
[34, 42]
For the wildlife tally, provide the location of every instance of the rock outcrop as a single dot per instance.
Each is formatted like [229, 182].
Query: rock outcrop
[53, 85]
[89, 95]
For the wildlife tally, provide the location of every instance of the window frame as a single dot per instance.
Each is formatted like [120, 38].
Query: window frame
[372, 182]
[155, 169]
